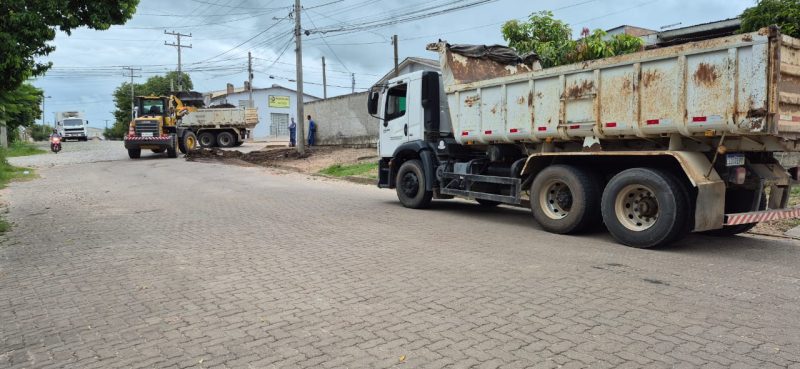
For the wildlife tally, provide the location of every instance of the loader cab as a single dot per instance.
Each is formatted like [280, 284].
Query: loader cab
[151, 106]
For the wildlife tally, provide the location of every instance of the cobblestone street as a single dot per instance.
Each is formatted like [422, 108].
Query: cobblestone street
[162, 263]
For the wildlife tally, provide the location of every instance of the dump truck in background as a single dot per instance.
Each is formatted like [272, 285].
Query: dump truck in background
[180, 122]
[72, 125]
[653, 144]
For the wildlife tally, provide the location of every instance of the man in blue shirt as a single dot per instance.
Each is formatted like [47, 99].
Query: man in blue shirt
[312, 131]
[292, 133]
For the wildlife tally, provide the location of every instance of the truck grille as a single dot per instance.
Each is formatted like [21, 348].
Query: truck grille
[147, 126]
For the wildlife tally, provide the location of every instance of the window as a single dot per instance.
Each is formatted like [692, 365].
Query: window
[396, 102]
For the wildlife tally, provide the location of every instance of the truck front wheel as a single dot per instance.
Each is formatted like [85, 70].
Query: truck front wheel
[646, 208]
[566, 199]
[411, 186]
[135, 153]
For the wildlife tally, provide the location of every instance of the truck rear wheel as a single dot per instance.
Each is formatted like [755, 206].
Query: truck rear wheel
[207, 139]
[645, 208]
[738, 201]
[411, 186]
[135, 153]
[225, 139]
[565, 199]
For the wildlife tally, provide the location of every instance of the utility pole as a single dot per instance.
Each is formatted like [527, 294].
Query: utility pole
[353, 83]
[131, 74]
[179, 47]
[396, 69]
[298, 33]
[250, 79]
[106, 123]
[324, 81]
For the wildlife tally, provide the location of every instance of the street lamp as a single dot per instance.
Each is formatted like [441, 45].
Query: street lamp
[43, 115]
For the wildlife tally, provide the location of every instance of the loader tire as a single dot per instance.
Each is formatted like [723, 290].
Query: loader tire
[134, 153]
[188, 143]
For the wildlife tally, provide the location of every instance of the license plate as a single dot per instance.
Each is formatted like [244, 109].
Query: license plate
[147, 134]
[734, 160]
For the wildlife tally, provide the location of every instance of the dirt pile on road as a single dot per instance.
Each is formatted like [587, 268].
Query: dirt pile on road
[259, 157]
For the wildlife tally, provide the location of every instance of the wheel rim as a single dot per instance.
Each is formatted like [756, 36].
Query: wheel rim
[205, 140]
[636, 207]
[410, 184]
[190, 143]
[224, 140]
[555, 199]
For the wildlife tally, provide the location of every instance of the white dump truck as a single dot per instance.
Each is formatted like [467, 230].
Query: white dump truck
[72, 125]
[653, 144]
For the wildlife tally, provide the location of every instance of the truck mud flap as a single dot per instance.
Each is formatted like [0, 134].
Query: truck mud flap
[461, 185]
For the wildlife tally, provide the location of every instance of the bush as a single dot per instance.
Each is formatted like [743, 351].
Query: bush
[784, 13]
[551, 39]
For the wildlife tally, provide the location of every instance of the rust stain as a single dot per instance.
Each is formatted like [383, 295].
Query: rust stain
[521, 100]
[747, 38]
[539, 95]
[650, 76]
[626, 84]
[468, 70]
[757, 113]
[472, 100]
[530, 99]
[706, 74]
[494, 109]
[578, 90]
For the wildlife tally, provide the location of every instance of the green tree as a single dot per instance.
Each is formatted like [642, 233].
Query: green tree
[551, 39]
[27, 26]
[784, 13]
[20, 108]
[155, 85]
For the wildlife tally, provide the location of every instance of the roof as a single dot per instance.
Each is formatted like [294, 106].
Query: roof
[631, 30]
[430, 63]
[236, 90]
[697, 32]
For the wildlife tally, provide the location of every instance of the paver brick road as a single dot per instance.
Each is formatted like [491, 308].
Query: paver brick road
[162, 263]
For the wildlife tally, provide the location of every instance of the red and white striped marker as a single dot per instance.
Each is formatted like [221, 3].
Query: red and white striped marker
[761, 216]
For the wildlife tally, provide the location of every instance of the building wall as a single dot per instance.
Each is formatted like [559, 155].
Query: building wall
[263, 130]
[343, 120]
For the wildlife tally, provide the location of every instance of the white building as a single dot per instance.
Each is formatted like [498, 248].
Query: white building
[276, 104]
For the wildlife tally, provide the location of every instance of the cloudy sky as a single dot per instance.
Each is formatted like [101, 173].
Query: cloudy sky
[353, 35]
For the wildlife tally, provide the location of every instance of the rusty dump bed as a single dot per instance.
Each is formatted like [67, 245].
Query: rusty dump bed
[746, 85]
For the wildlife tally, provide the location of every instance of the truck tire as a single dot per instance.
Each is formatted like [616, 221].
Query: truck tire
[646, 208]
[411, 186]
[207, 139]
[225, 139]
[188, 142]
[157, 151]
[565, 199]
[738, 201]
[135, 153]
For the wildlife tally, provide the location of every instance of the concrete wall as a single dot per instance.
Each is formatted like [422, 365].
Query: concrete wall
[343, 120]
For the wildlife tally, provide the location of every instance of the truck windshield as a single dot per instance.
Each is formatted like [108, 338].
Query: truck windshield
[73, 122]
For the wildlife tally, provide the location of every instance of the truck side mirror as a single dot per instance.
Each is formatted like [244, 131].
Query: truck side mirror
[372, 103]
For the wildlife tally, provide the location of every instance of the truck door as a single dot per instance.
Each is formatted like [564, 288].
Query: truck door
[394, 127]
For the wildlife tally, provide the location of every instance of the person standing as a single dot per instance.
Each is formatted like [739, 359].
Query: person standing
[292, 133]
[312, 132]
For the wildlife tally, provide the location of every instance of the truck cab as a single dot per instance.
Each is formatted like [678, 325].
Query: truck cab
[72, 125]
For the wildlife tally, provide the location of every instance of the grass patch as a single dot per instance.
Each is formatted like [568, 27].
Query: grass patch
[23, 149]
[369, 170]
[9, 173]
